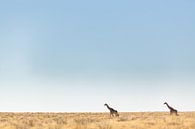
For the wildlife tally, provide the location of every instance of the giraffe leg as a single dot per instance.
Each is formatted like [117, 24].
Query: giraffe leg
[176, 113]
[110, 115]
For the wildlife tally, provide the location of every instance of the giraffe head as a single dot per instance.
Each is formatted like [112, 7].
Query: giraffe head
[105, 104]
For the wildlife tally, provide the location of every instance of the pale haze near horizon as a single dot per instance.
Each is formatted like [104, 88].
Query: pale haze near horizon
[73, 56]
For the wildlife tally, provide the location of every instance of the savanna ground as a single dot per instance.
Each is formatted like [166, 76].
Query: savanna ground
[142, 120]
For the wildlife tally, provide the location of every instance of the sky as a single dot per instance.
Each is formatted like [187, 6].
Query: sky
[74, 56]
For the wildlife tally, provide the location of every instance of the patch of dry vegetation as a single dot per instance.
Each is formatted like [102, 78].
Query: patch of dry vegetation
[144, 120]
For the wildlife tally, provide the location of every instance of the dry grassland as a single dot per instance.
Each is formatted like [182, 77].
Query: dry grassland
[143, 120]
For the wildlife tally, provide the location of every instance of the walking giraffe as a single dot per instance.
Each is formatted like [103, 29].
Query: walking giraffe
[172, 110]
[113, 112]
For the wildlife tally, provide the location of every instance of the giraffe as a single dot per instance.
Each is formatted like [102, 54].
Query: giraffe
[172, 110]
[112, 111]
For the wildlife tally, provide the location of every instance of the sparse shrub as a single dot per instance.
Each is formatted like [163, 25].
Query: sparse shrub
[31, 123]
[121, 119]
[80, 123]
[104, 125]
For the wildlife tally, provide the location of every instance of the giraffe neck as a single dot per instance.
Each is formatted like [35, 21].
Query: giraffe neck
[108, 107]
[168, 106]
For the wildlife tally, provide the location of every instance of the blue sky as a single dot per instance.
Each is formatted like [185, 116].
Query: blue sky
[76, 55]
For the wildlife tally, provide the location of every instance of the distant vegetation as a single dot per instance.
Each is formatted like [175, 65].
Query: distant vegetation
[142, 120]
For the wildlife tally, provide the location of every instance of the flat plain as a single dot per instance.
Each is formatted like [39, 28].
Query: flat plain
[126, 120]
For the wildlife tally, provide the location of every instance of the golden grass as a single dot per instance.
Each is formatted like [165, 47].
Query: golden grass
[142, 120]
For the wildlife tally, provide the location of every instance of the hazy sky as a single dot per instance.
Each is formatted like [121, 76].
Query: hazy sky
[77, 55]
